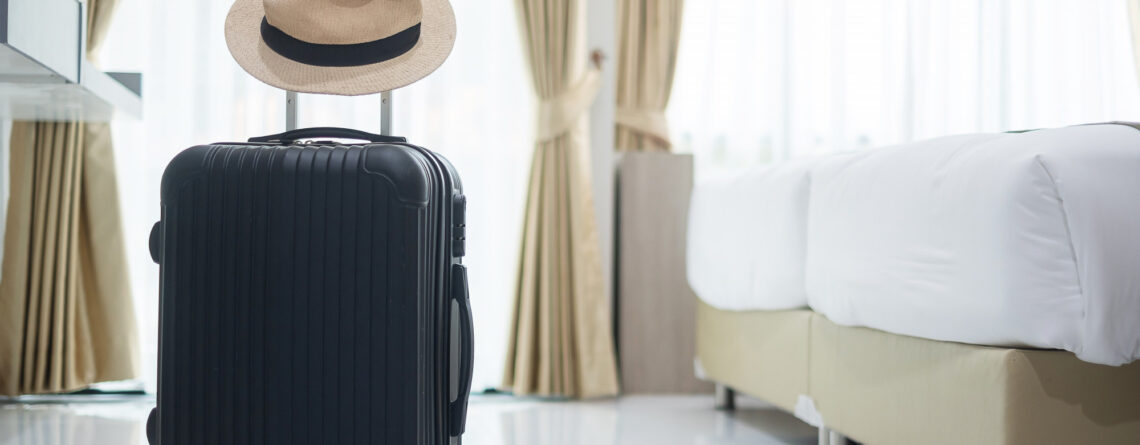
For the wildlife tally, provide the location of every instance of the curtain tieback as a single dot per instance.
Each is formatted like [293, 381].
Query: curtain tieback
[558, 115]
[649, 122]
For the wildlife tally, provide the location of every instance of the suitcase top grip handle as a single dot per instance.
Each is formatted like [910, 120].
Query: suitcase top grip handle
[289, 137]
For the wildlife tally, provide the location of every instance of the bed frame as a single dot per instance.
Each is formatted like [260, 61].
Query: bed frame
[884, 389]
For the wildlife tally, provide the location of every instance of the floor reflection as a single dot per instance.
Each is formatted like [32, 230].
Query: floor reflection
[493, 420]
[632, 420]
[111, 422]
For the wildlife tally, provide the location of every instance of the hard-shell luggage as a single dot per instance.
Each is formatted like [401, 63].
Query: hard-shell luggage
[311, 292]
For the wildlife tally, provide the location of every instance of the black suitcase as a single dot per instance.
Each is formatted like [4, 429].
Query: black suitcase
[311, 293]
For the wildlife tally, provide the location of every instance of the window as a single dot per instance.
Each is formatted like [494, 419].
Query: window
[769, 80]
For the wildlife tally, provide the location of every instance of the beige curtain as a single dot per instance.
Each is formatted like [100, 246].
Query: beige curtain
[99, 14]
[66, 312]
[649, 33]
[561, 340]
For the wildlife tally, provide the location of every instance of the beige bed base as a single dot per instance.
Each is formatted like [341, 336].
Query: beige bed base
[885, 389]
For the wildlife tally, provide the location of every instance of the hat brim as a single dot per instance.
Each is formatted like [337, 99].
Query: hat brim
[243, 37]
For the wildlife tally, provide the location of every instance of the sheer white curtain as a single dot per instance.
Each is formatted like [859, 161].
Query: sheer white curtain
[765, 80]
[476, 110]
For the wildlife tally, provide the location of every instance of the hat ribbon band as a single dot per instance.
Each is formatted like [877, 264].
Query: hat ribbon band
[353, 54]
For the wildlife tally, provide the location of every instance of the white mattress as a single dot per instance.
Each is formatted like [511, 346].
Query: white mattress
[1026, 239]
[746, 239]
[1002, 239]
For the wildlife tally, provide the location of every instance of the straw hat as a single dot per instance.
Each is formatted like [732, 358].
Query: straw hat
[346, 47]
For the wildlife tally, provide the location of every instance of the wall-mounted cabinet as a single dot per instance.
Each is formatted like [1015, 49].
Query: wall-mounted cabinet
[44, 73]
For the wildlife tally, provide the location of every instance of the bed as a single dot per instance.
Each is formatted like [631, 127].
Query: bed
[967, 289]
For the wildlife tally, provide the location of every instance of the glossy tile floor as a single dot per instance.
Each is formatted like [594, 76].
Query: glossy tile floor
[493, 420]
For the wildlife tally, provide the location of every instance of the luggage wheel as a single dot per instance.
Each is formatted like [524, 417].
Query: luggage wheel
[152, 427]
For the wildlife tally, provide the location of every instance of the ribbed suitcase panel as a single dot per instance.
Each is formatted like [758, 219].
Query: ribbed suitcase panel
[293, 307]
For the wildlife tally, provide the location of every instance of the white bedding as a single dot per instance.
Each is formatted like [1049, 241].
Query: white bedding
[746, 239]
[1026, 239]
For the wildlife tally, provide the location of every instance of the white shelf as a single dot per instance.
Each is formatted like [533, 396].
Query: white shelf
[44, 74]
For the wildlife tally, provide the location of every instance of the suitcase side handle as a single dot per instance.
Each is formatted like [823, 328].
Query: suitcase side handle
[290, 136]
[467, 350]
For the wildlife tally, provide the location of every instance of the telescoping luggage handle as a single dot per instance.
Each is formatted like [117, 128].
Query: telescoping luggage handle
[292, 133]
[385, 112]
